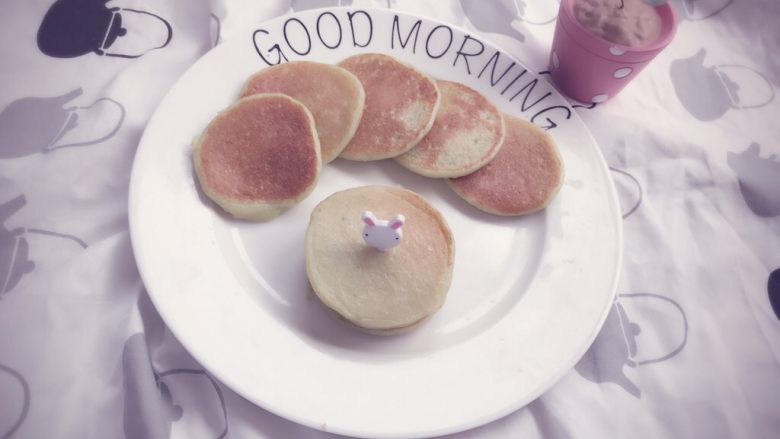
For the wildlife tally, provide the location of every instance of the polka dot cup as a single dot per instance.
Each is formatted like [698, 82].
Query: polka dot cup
[589, 68]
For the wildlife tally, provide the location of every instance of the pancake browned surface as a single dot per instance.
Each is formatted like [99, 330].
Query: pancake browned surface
[524, 177]
[332, 94]
[258, 156]
[400, 107]
[465, 136]
[381, 292]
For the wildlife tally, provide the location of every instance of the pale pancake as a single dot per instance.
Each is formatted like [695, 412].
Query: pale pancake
[524, 177]
[332, 94]
[393, 331]
[466, 135]
[381, 292]
[258, 156]
[400, 107]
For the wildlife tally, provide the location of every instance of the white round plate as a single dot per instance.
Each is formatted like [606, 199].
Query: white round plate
[528, 296]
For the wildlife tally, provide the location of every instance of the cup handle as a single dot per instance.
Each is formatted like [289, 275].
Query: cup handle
[681, 345]
[759, 74]
[164, 21]
[711, 14]
[540, 23]
[25, 400]
[101, 139]
[66, 236]
[159, 377]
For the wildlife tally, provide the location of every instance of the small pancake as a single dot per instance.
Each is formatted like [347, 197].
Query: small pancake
[465, 136]
[524, 177]
[332, 94]
[258, 156]
[400, 107]
[380, 292]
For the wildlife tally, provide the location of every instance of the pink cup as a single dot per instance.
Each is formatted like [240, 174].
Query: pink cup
[589, 68]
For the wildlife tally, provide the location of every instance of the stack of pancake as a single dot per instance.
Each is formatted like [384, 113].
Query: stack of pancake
[264, 154]
[380, 292]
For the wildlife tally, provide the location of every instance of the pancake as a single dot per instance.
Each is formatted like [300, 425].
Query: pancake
[393, 331]
[258, 156]
[332, 94]
[466, 135]
[379, 292]
[400, 107]
[524, 177]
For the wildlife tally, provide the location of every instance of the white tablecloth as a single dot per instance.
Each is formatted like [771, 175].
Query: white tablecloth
[690, 349]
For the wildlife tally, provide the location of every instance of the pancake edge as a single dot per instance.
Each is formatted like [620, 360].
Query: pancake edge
[352, 129]
[423, 132]
[551, 196]
[259, 210]
[444, 284]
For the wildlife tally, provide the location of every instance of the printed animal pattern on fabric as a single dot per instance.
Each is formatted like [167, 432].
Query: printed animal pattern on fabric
[14, 250]
[537, 13]
[303, 5]
[629, 191]
[759, 179]
[15, 259]
[15, 398]
[72, 28]
[33, 125]
[619, 345]
[773, 290]
[149, 406]
[590, 106]
[708, 93]
[695, 10]
[495, 17]
[215, 26]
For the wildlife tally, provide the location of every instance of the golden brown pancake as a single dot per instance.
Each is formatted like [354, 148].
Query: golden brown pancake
[465, 136]
[524, 177]
[258, 156]
[332, 94]
[400, 107]
[380, 292]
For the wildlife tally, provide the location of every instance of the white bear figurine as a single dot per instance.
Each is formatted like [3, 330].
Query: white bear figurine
[380, 234]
